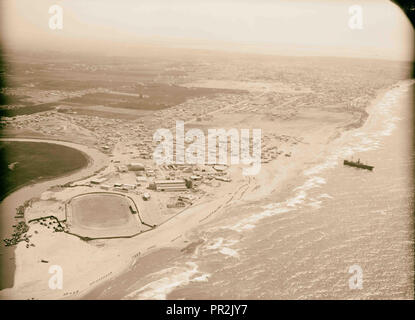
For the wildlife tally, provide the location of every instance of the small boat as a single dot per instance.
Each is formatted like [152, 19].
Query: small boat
[357, 164]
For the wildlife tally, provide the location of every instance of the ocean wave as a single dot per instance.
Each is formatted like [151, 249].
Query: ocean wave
[174, 277]
[329, 163]
[229, 252]
[361, 140]
[251, 221]
[311, 183]
[315, 204]
[325, 196]
[292, 203]
[222, 246]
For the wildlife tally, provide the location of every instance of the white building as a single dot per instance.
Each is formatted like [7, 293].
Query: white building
[170, 185]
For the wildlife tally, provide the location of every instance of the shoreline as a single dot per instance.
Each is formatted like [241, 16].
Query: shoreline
[32, 190]
[94, 158]
[182, 223]
[277, 183]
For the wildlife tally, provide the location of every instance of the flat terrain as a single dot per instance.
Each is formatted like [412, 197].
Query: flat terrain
[100, 210]
[102, 215]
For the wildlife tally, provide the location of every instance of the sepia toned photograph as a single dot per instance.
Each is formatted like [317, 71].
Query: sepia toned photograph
[206, 150]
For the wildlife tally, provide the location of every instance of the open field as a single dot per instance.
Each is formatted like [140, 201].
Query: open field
[102, 215]
[150, 97]
[101, 211]
[113, 82]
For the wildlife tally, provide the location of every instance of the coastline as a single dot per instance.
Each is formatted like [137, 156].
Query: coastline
[32, 190]
[111, 262]
[275, 187]
[96, 161]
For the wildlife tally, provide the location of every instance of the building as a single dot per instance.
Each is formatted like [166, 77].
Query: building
[225, 179]
[177, 203]
[170, 185]
[129, 186]
[141, 179]
[98, 180]
[122, 168]
[135, 166]
[219, 167]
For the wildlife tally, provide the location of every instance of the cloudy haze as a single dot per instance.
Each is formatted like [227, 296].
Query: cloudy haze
[283, 27]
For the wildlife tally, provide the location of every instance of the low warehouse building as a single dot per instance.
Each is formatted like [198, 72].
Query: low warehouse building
[135, 166]
[170, 185]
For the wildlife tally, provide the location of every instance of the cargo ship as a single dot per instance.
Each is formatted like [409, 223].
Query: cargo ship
[357, 164]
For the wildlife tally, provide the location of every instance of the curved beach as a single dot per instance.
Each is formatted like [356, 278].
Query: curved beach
[96, 161]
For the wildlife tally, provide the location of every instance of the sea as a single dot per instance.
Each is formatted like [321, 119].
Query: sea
[335, 232]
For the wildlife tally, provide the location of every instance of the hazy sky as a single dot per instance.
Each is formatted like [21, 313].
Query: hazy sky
[272, 26]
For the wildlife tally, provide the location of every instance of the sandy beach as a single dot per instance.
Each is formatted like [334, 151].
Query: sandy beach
[96, 161]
